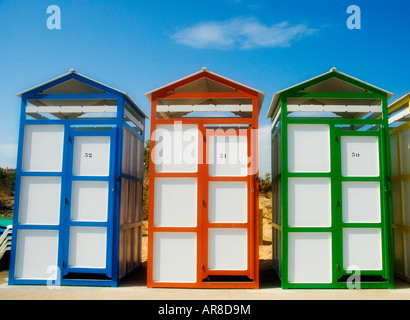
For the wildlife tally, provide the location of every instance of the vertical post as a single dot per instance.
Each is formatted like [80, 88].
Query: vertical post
[64, 216]
[336, 198]
[151, 160]
[400, 224]
[202, 205]
[17, 189]
[255, 151]
[284, 181]
[141, 213]
[117, 196]
[388, 234]
[261, 227]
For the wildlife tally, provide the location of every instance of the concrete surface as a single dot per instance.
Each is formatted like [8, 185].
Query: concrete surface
[134, 288]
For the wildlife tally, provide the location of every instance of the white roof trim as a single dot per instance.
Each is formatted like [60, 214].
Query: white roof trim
[260, 93]
[401, 101]
[73, 71]
[276, 96]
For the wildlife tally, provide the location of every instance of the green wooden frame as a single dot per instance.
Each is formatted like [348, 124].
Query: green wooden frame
[335, 175]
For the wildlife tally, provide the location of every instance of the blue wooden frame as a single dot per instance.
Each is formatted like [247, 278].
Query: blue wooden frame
[107, 224]
[116, 126]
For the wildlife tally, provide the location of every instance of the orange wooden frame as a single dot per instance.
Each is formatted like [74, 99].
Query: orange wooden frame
[203, 177]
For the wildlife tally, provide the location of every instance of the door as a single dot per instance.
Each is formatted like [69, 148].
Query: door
[361, 205]
[89, 204]
[202, 208]
[334, 196]
[227, 210]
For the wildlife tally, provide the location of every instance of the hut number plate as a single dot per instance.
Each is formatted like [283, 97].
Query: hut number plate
[355, 155]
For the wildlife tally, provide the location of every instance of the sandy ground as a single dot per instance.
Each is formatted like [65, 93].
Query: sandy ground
[134, 288]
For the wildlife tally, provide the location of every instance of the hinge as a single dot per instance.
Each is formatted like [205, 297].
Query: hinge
[336, 139]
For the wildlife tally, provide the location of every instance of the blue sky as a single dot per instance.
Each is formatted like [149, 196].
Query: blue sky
[138, 46]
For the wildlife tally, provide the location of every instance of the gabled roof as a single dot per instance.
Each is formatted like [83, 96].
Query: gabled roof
[206, 81]
[399, 110]
[78, 83]
[332, 80]
[400, 104]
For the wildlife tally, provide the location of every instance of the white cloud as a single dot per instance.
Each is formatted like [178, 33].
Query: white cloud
[245, 33]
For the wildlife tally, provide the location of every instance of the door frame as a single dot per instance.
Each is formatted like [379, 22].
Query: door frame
[205, 179]
[338, 216]
[336, 205]
[109, 224]
[202, 176]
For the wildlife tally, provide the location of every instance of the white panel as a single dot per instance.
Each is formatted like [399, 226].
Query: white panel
[176, 148]
[133, 155]
[131, 201]
[394, 156]
[405, 151]
[308, 148]
[91, 156]
[88, 247]
[362, 249]
[175, 257]
[70, 109]
[138, 203]
[398, 236]
[124, 201]
[43, 148]
[222, 208]
[40, 200]
[405, 185]
[89, 201]
[36, 254]
[122, 262]
[407, 253]
[275, 157]
[227, 249]
[175, 202]
[396, 201]
[140, 158]
[137, 246]
[360, 156]
[128, 249]
[334, 108]
[228, 155]
[309, 202]
[361, 202]
[310, 257]
[205, 108]
[125, 167]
